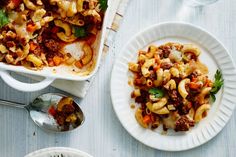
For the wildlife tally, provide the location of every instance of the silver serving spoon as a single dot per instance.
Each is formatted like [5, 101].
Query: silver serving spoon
[39, 108]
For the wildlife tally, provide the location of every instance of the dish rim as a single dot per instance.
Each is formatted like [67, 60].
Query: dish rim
[155, 26]
[75, 77]
[54, 149]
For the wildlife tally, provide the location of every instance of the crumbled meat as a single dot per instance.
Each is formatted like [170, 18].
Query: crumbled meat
[196, 104]
[154, 126]
[174, 95]
[40, 39]
[152, 75]
[85, 5]
[3, 3]
[183, 109]
[37, 51]
[143, 97]
[60, 119]
[52, 45]
[68, 108]
[165, 50]
[183, 124]
[10, 44]
[23, 41]
[193, 75]
[166, 65]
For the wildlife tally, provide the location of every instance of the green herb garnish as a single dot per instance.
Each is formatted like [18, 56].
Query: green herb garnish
[219, 82]
[103, 4]
[159, 93]
[80, 32]
[3, 19]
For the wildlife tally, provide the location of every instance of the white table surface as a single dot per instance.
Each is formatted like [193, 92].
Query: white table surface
[102, 134]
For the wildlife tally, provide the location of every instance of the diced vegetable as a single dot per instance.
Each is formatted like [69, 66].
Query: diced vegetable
[52, 111]
[3, 19]
[57, 60]
[31, 28]
[33, 46]
[159, 93]
[219, 82]
[147, 119]
[194, 85]
[78, 64]
[103, 5]
[80, 32]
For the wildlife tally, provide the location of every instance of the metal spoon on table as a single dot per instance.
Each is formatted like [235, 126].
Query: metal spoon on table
[39, 111]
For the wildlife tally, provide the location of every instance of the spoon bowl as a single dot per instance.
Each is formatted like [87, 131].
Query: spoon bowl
[39, 112]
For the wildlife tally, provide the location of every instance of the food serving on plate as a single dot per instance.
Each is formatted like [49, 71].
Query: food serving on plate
[33, 33]
[172, 87]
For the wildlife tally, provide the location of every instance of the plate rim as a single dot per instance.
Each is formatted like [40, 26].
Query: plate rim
[53, 149]
[154, 27]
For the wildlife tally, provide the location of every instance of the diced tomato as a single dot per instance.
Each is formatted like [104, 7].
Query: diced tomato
[57, 60]
[15, 3]
[31, 27]
[52, 111]
[194, 79]
[78, 64]
[194, 85]
[147, 119]
[33, 46]
[51, 63]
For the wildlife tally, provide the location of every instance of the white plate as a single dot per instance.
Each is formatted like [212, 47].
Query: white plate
[58, 152]
[214, 55]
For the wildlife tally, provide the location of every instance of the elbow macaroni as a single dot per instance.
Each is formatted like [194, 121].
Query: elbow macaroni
[146, 66]
[203, 93]
[181, 88]
[199, 112]
[30, 4]
[169, 89]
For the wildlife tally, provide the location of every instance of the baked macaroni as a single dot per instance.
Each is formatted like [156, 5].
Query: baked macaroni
[34, 32]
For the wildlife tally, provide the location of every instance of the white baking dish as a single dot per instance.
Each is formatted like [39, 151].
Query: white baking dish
[60, 72]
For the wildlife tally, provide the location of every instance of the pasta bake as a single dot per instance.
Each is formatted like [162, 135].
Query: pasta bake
[33, 33]
[172, 87]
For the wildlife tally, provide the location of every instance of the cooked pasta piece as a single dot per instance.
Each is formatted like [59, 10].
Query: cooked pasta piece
[172, 86]
[139, 118]
[145, 67]
[181, 87]
[199, 112]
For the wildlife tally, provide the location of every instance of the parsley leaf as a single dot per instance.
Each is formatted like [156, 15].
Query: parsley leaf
[159, 93]
[80, 32]
[103, 5]
[213, 97]
[3, 19]
[219, 82]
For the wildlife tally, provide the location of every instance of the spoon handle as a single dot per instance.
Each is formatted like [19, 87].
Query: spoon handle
[13, 104]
